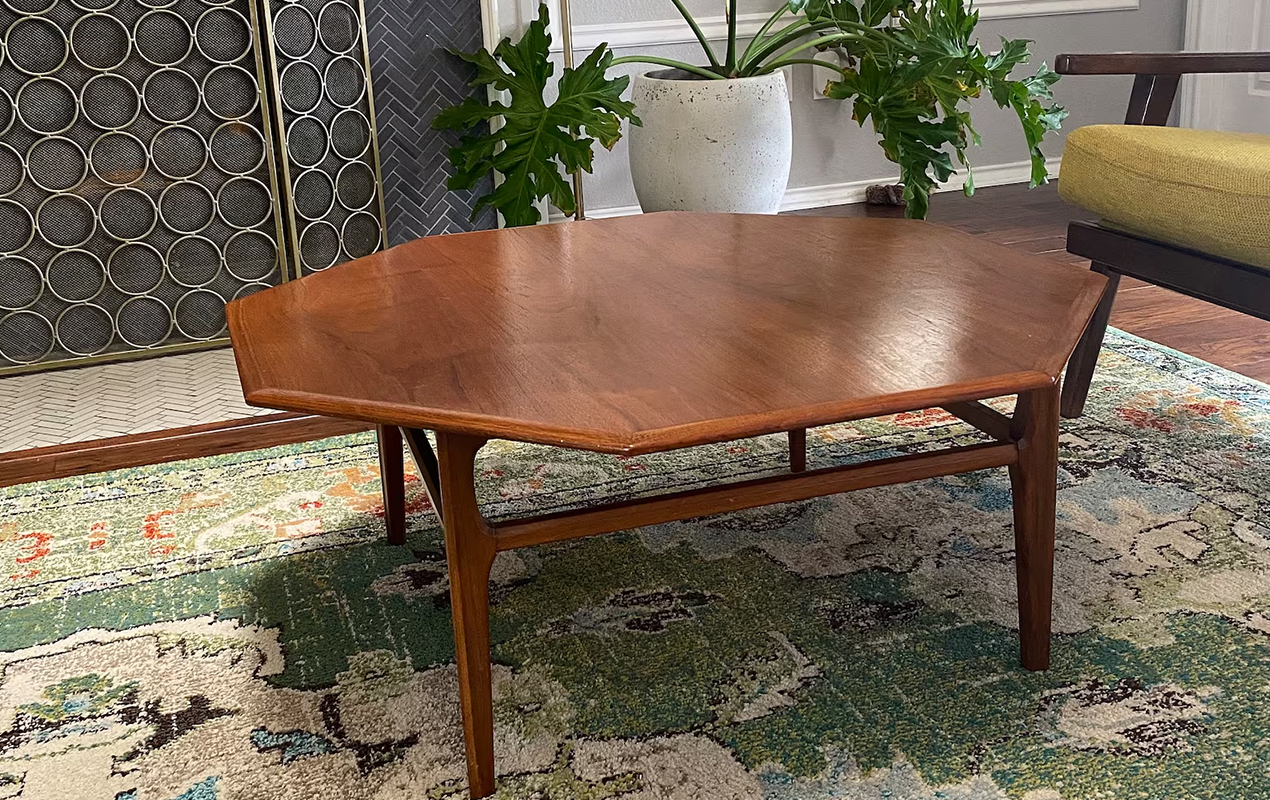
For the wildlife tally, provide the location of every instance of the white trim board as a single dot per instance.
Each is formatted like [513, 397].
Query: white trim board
[841, 194]
[652, 33]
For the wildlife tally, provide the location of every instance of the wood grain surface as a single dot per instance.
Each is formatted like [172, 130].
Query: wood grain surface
[664, 330]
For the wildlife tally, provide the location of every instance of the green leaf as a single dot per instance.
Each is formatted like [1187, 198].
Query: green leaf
[832, 11]
[875, 12]
[914, 79]
[1012, 53]
[537, 141]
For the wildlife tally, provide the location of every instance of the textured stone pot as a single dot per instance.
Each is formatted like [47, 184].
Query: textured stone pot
[711, 145]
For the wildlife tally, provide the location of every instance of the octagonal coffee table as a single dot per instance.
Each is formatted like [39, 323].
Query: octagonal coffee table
[663, 331]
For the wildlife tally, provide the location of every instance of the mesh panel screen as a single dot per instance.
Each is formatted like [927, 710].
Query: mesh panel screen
[179, 152]
[128, 214]
[25, 337]
[7, 111]
[118, 158]
[170, 95]
[319, 246]
[230, 92]
[122, 122]
[29, 6]
[11, 170]
[355, 186]
[36, 45]
[223, 35]
[323, 104]
[163, 38]
[110, 101]
[187, 207]
[294, 31]
[350, 134]
[94, 5]
[100, 41]
[66, 221]
[200, 315]
[76, 276]
[314, 194]
[21, 283]
[136, 268]
[84, 329]
[57, 164]
[144, 321]
[251, 256]
[47, 105]
[301, 87]
[307, 142]
[339, 27]
[17, 228]
[194, 261]
[237, 148]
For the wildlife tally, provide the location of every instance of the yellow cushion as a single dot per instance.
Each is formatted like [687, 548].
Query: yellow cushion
[1205, 190]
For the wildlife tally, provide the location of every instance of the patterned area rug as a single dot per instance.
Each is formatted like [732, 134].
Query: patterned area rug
[236, 627]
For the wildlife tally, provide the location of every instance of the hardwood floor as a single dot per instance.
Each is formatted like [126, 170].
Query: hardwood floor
[1036, 222]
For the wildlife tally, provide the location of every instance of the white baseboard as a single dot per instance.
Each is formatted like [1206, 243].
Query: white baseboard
[674, 30]
[840, 194]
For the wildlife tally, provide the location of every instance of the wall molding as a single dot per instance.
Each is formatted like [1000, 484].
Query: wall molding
[670, 31]
[839, 194]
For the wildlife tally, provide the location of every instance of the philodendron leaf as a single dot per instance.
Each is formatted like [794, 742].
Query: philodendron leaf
[536, 141]
[821, 11]
[914, 78]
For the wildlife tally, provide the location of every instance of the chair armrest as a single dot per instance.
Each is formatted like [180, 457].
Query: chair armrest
[1160, 63]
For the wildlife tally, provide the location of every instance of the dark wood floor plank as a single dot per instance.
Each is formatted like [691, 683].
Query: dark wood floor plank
[1035, 221]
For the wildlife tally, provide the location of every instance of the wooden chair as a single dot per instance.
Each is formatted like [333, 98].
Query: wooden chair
[1225, 260]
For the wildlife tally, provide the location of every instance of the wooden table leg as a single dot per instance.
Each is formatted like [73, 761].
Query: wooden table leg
[469, 547]
[1035, 483]
[392, 472]
[798, 450]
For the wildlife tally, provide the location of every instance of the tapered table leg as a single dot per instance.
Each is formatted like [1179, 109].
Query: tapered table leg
[1035, 483]
[392, 472]
[798, 450]
[469, 546]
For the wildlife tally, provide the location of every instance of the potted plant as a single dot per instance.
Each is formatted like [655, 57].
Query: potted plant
[717, 135]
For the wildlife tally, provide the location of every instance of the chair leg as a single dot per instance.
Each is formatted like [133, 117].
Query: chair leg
[392, 472]
[1080, 370]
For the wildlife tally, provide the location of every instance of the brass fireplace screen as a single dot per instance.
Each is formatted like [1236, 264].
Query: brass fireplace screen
[158, 159]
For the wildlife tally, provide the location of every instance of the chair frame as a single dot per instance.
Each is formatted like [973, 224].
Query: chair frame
[1226, 283]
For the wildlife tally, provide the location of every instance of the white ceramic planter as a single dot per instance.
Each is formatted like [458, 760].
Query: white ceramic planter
[711, 145]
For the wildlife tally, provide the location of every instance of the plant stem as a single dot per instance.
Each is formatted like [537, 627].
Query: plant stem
[775, 65]
[837, 37]
[789, 36]
[696, 29]
[730, 66]
[757, 43]
[669, 62]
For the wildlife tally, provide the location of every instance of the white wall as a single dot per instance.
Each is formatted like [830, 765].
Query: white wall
[833, 157]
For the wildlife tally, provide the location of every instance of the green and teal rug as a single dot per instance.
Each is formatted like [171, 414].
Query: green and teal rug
[236, 627]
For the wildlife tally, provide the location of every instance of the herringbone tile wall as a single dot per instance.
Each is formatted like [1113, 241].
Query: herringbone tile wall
[414, 77]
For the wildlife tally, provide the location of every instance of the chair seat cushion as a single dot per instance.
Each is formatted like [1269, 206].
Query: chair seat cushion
[1204, 190]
